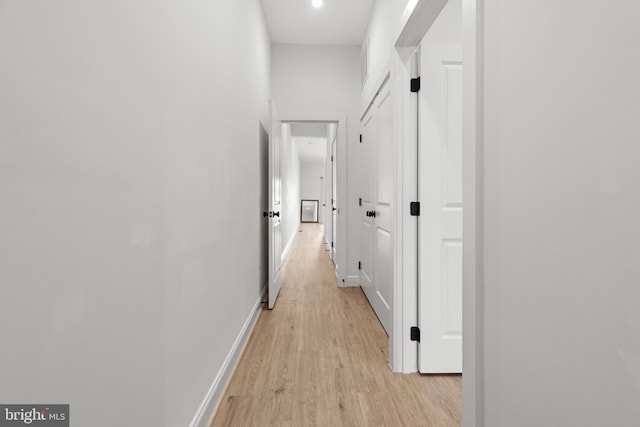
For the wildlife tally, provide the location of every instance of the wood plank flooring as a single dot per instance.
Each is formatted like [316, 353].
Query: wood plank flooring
[319, 358]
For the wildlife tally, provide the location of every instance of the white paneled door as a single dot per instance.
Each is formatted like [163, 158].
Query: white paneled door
[376, 264]
[440, 221]
[275, 207]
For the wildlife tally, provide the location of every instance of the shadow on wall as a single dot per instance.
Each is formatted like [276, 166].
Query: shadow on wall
[264, 204]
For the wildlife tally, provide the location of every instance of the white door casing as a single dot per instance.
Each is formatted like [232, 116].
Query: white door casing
[338, 121]
[334, 196]
[440, 222]
[275, 207]
[328, 189]
[416, 21]
[376, 269]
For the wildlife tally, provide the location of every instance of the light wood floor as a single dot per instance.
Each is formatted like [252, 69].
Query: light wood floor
[319, 358]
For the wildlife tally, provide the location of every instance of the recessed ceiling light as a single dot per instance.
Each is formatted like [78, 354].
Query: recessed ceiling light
[316, 3]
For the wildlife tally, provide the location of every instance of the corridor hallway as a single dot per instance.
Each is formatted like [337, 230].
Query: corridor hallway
[319, 358]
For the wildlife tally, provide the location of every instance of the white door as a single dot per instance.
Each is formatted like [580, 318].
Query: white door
[275, 207]
[367, 203]
[440, 221]
[334, 196]
[376, 265]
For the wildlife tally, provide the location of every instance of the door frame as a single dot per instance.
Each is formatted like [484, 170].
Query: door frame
[333, 179]
[416, 20]
[341, 163]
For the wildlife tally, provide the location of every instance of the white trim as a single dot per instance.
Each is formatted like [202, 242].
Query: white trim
[353, 281]
[472, 190]
[205, 413]
[403, 353]
[285, 251]
[341, 163]
[417, 18]
[386, 75]
[364, 67]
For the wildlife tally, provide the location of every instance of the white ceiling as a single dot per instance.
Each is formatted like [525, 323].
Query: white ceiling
[309, 129]
[310, 149]
[310, 140]
[338, 22]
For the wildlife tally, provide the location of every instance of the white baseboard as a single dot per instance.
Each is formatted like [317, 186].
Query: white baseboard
[353, 281]
[285, 252]
[209, 405]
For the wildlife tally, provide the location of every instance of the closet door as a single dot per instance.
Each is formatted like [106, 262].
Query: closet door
[376, 266]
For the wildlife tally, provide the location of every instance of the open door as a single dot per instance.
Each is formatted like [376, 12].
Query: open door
[275, 207]
[440, 220]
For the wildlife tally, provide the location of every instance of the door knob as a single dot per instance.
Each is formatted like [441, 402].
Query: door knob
[265, 214]
[276, 214]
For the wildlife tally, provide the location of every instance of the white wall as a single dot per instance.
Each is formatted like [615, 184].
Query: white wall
[561, 209]
[325, 79]
[381, 32]
[290, 164]
[130, 211]
[311, 182]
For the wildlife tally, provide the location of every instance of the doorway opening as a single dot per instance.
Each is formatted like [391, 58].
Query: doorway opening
[439, 178]
[305, 186]
[317, 196]
[440, 165]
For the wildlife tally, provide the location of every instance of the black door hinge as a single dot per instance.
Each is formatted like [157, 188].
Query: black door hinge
[331, 244]
[359, 201]
[359, 265]
[360, 137]
[414, 208]
[415, 333]
[415, 84]
[332, 158]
